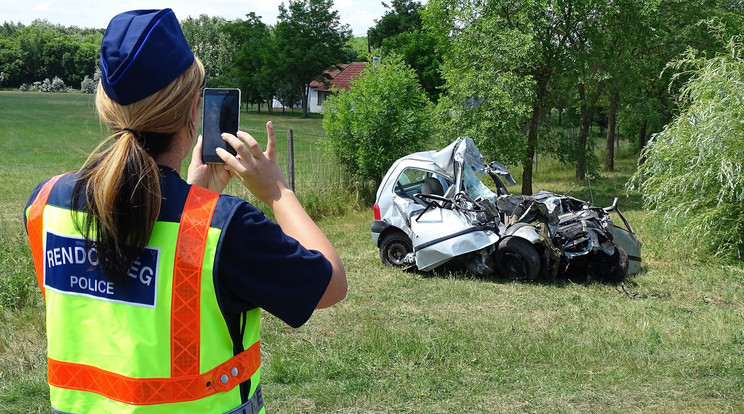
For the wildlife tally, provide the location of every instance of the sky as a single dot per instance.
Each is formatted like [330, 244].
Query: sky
[358, 14]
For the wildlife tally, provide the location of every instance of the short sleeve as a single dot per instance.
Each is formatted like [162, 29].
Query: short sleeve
[260, 266]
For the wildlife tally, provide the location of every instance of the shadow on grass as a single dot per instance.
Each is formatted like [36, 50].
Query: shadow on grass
[457, 272]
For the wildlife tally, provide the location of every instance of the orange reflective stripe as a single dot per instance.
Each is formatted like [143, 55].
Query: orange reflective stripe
[187, 268]
[35, 228]
[148, 391]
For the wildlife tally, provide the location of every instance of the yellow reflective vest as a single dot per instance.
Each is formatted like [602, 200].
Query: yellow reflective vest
[159, 344]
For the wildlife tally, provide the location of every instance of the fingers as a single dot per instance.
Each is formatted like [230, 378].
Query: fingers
[244, 144]
[231, 162]
[247, 153]
[271, 143]
[248, 150]
[196, 152]
[252, 144]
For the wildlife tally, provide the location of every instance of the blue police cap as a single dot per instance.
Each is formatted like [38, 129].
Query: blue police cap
[142, 52]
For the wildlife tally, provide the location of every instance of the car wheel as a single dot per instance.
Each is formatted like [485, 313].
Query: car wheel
[617, 266]
[517, 259]
[394, 248]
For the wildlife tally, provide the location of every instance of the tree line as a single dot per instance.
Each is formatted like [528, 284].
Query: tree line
[43, 50]
[265, 61]
[523, 78]
[532, 77]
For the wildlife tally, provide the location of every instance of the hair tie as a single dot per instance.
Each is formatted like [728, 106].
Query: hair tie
[134, 132]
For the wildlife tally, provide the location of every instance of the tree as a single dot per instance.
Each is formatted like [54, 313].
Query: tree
[359, 49]
[497, 60]
[253, 64]
[662, 31]
[384, 116]
[401, 16]
[211, 45]
[400, 31]
[693, 176]
[289, 95]
[43, 50]
[310, 39]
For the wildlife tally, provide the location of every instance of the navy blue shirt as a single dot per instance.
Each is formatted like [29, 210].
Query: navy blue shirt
[257, 265]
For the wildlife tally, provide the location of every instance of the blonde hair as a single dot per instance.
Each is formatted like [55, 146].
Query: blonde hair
[120, 181]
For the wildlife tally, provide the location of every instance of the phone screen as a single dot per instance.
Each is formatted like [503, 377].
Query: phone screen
[221, 114]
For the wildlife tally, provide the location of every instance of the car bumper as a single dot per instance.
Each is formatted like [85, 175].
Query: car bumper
[378, 226]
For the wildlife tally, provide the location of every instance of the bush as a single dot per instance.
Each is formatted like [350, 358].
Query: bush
[45, 86]
[58, 85]
[88, 85]
[384, 116]
[693, 175]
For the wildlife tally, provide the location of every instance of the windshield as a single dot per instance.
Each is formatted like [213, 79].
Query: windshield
[474, 187]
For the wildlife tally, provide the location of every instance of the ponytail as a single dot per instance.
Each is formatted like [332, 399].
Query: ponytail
[119, 186]
[121, 190]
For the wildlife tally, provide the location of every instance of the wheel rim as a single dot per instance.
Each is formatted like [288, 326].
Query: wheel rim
[515, 265]
[396, 252]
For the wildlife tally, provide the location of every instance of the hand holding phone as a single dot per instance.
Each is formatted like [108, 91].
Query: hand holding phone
[221, 113]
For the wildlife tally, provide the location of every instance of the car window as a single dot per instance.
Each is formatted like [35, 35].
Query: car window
[474, 187]
[411, 180]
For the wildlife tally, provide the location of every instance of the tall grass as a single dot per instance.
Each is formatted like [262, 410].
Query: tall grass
[425, 343]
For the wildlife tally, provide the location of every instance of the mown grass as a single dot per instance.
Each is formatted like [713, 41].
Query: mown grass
[423, 343]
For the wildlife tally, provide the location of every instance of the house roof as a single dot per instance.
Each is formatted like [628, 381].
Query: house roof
[340, 78]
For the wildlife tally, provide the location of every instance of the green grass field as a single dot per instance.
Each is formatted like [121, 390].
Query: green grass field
[420, 343]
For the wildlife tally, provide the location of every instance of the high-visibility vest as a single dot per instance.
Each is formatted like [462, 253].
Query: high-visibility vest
[159, 346]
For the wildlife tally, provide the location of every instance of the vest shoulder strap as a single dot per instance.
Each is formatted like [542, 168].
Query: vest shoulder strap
[35, 229]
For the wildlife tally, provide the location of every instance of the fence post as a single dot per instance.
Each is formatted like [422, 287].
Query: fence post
[290, 159]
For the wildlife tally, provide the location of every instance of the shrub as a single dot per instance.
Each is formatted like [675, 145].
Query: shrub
[58, 85]
[384, 116]
[693, 175]
[46, 85]
[88, 85]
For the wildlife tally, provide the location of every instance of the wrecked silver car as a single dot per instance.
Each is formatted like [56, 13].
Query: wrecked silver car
[433, 209]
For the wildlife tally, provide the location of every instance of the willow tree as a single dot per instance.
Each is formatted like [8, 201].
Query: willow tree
[693, 176]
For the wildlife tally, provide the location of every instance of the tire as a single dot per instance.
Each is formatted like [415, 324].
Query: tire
[394, 248]
[617, 268]
[517, 259]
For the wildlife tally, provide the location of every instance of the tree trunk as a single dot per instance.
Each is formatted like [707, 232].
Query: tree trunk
[305, 96]
[642, 140]
[581, 141]
[529, 156]
[611, 121]
[585, 125]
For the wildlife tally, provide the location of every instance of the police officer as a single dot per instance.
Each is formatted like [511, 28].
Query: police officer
[153, 284]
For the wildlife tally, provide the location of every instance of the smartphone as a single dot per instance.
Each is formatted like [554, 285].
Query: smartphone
[221, 113]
